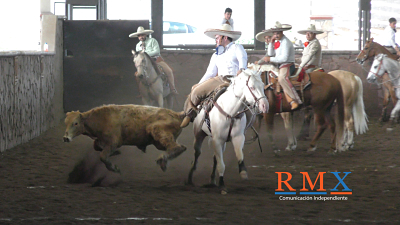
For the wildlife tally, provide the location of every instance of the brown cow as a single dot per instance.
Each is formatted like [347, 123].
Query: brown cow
[112, 126]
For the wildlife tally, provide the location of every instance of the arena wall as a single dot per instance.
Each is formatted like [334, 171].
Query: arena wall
[31, 87]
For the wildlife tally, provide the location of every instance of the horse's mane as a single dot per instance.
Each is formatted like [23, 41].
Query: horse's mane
[247, 73]
[383, 49]
[152, 62]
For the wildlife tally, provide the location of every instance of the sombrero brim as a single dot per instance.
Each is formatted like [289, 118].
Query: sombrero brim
[232, 34]
[312, 31]
[283, 28]
[139, 33]
[261, 36]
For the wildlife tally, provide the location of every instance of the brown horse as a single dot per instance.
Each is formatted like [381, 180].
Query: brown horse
[372, 49]
[320, 95]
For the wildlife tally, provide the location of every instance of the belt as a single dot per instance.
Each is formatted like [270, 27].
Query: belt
[309, 66]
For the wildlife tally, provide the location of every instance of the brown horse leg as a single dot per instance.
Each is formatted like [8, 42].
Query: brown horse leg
[305, 128]
[269, 120]
[386, 97]
[321, 127]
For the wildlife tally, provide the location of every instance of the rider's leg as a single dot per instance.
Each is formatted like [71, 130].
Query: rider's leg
[291, 95]
[198, 93]
[170, 76]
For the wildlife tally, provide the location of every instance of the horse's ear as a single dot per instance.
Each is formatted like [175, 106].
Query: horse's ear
[133, 52]
[372, 39]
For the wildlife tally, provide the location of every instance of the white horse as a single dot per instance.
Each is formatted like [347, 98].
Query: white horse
[228, 123]
[151, 86]
[381, 64]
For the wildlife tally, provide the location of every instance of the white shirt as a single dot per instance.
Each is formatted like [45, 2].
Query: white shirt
[283, 54]
[228, 63]
[230, 22]
[151, 47]
[389, 37]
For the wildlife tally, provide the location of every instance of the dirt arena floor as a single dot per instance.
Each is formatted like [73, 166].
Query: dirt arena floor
[35, 189]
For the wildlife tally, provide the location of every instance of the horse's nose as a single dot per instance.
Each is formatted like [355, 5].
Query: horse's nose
[140, 76]
[263, 106]
[66, 139]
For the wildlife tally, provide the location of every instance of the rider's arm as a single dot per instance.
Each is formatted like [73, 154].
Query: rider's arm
[271, 50]
[152, 47]
[212, 69]
[241, 56]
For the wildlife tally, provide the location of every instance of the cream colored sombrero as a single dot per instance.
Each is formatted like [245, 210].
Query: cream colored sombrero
[261, 36]
[311, 29]
[226, 30]
[279, 27]
[140, 30]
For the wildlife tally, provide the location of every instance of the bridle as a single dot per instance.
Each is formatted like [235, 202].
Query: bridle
[145, 81]
[366, 53]
[379, 67]
[256, 100]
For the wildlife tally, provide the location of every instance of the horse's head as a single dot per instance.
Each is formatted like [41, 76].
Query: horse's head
[377, 68]
[75, 126]
[140, 60]
[253, 89]
[367, 52]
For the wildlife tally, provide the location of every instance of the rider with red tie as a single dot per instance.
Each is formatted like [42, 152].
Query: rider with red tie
[312, 51]
[281, 53]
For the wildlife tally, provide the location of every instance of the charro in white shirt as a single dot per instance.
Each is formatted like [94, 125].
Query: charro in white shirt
[282, 55]
[229, 62]
[389, 37]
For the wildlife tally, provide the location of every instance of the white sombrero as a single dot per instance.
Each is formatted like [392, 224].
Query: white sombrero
[311, 29]
[261, 36]
[140, 30]
[226, 30]
[279, 27]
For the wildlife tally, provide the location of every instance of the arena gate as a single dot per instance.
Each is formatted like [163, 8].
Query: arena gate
[98, 67]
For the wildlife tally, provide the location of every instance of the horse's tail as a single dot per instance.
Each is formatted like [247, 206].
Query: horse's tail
[340, 118]
[359, 114]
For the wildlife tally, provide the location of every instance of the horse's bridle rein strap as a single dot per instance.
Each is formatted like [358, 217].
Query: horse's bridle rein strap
[146, 83]
[232, 118]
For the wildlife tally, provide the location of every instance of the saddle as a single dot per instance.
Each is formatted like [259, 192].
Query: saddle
[300, 82]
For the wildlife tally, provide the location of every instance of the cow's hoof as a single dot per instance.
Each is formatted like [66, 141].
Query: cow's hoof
[116, 169]
[116, 152]
[162, 162]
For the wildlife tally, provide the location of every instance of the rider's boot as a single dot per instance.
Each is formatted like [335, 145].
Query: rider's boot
[190, 112]
[170, 78]
[294, 105]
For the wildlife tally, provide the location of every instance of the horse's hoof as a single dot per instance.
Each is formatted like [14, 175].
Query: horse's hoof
[244, 175]
[312, 149]
[162, 162]
[277, 152]
[210, 185]
[389, 129]
[291, 148]
[224, 191]
[332, 152]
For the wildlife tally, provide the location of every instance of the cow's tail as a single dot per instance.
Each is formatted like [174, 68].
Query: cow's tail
[340, 119]
[359, 115]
